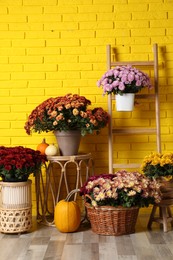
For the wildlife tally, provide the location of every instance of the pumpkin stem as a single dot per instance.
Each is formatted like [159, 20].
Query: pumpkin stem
[43, 141]
[71, 193]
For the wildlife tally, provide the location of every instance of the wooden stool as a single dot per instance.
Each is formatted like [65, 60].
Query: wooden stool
[165, 215]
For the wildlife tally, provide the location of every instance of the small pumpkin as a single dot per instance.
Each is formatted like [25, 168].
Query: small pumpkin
[51, 150]
[42, 146]
[67, 215]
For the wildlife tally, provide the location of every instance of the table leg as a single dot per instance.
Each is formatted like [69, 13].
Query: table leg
[164, 217]
[151, 217]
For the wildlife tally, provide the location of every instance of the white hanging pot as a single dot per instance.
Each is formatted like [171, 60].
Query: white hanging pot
[125, 102]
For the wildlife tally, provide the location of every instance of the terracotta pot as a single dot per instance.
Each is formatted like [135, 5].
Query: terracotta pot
[68, 142]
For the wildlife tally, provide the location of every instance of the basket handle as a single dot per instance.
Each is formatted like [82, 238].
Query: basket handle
[87, 204]
[88, 196]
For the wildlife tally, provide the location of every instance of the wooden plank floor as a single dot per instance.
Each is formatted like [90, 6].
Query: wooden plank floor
[47, 243]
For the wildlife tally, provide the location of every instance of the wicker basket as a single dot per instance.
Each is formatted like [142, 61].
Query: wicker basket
[15, 207]
[15, 220]
[107, 220]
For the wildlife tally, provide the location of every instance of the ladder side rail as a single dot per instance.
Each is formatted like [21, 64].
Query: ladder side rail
[110, 135]
[157, 105]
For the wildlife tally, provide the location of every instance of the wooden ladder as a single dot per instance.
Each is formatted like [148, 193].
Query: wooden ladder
[152, 65]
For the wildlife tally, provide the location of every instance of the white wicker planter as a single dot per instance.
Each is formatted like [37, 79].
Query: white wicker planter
[15, 207]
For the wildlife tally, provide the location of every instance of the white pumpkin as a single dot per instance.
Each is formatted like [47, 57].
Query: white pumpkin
[51, 150]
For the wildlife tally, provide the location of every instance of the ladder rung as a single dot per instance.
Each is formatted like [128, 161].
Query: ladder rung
[141, 96]
[145, 96]
[122, 131]
[125, 166]
[134, 63]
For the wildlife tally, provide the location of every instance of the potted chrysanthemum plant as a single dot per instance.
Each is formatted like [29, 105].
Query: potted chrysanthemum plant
[67, 116]
[16, 164]
[124, 82]
[113, 200]
[160, 166]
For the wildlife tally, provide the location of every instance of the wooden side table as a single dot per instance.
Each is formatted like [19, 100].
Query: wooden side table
[165, 215]
[82, 163]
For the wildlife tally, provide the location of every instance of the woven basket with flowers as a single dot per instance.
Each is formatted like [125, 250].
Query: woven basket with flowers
[113, 200]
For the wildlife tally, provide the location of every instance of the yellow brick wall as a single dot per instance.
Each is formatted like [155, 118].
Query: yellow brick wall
[53, 47]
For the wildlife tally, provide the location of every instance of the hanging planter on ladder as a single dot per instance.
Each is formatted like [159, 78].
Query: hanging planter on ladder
[124, 81]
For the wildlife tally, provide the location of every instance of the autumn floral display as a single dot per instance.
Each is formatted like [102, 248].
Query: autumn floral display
[69, 112]
[17, 163]
[123, 79]
[126, 189]
[158, 164]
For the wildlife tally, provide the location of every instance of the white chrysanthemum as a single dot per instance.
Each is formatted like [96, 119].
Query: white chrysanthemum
[93, 203]
[131, 193]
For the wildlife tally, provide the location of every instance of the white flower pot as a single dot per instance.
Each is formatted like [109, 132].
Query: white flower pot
[125, 102]
[14, 195]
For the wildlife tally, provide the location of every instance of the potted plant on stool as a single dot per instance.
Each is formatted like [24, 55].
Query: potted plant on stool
[16, 164]
[160, 166]
[69, 118]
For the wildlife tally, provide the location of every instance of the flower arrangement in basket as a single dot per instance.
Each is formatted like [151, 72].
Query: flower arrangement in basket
[123, 79]
[17, 163]
[113, 200]
[65, 113]
[160, 166]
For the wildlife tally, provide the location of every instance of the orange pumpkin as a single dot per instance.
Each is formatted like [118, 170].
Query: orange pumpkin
[42, 147]
[67, 215]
